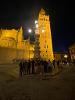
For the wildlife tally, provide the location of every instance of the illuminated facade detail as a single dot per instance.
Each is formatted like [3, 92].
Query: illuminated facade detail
[45, 39]
[60, 56]
[8, 38]
[72, 52]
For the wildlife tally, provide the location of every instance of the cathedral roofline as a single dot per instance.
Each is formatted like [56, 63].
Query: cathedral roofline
[11, 28]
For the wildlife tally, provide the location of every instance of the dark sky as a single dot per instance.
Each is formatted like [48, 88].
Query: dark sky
[16, 13]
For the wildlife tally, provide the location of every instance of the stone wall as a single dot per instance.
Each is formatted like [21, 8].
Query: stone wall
[8, 54]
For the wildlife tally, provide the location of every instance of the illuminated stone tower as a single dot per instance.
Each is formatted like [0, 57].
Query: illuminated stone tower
[45, 39]
[19, 38]
[20, 35]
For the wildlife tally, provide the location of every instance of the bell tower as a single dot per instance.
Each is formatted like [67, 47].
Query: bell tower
[45, 39]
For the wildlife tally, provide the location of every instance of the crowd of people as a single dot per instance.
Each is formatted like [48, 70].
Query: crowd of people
[34, 66]
[39, 66]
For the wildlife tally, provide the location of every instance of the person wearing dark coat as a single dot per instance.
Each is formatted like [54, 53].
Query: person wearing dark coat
[33, 67]
[28, 67]
[45, 66]
[21, 68]
[25, 67]
[54, 63]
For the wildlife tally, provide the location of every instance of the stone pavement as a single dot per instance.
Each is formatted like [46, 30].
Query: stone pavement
[37, 87]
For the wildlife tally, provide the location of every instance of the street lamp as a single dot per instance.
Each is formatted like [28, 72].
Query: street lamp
[29, 30]
[65, 56]
[36, 21]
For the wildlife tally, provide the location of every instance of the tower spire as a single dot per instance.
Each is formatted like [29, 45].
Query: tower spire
[42, 11]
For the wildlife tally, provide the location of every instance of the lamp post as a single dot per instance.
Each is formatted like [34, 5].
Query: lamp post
[65, 56]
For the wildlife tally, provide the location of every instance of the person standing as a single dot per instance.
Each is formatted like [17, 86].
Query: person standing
[45, 66]
[28, 67]
[21, 68]
[33, 67]
[58, 64]
[25, 67]
[54, 63]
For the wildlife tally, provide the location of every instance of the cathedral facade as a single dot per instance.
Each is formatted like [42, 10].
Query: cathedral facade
[13, 39]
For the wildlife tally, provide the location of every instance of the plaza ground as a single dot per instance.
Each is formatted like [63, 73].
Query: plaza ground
[60, 86]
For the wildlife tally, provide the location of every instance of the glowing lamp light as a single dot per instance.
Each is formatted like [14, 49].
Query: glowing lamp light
[43, 31]
[36, 25]
[29, 30]
[37, 32]
[65, 56]
[36, 21]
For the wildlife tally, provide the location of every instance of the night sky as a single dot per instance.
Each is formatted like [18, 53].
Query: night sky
[16, 13]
